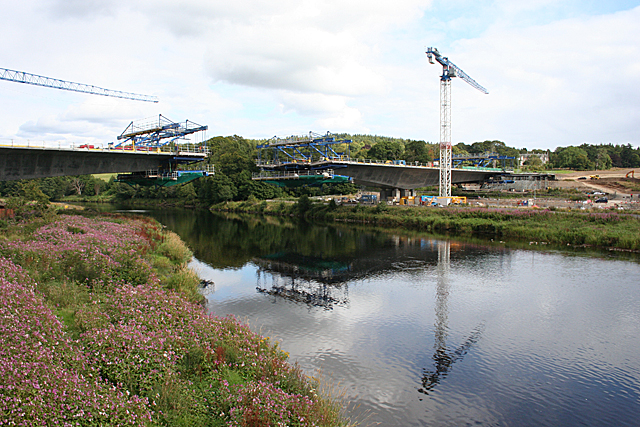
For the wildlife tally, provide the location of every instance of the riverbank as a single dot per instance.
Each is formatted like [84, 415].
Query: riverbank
[103, 325]
[601, 229]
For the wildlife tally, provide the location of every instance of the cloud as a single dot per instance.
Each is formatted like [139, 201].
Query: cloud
[330, 112]
[564, 83]
[95, 118]
[556, 75]
[82, 8]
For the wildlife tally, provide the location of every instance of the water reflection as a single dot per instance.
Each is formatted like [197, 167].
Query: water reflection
[443, 357]
[321, 282]
[304, 279]
[493, 336]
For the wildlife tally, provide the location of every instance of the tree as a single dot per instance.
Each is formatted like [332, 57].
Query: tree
[603, 160]
[304, 204]
[533, 163]
[571, 158]
[417, 151]
[187, 192]
[78, 185]
[386, 150]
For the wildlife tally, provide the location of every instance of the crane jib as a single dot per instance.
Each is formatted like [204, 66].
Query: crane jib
[449, 69]
[34, 79]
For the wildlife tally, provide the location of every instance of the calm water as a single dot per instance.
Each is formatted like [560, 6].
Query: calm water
[420, 331]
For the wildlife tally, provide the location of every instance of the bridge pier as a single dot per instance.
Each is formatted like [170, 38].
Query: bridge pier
[396, 193]
[384, 193]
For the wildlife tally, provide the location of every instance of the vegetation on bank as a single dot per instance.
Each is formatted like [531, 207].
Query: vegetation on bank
[605, 229]
[103, 325]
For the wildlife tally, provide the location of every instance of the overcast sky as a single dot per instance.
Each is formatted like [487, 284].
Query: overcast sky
[559, 72]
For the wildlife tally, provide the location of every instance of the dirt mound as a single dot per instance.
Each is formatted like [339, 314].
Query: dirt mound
[612, 182]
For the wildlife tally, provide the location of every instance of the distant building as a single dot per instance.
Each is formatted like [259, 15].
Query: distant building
[544, 157]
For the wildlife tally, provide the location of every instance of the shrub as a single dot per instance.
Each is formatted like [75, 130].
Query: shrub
[174, 249]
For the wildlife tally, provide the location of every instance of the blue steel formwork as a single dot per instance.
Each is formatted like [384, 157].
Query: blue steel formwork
[154, 133]
[299, 152]
[161, 135]
[480, 160]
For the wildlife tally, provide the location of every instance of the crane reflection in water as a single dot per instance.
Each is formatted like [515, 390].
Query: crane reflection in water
[323, 283]
[444, 357]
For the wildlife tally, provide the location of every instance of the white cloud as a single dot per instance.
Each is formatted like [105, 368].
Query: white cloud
[258, 67]
[568, 82]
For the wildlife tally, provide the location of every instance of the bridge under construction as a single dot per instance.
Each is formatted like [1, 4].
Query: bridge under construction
[151, 152]
[296, 159]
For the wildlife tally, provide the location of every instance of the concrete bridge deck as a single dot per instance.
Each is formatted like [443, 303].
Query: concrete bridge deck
[392, 176]
[41, 162]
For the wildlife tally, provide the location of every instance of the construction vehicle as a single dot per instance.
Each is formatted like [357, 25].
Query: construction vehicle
[440, 201]
[594, 177]
[631, 174]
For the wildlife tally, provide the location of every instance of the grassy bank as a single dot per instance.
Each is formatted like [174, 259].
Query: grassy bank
[605, 229]
[103, 325]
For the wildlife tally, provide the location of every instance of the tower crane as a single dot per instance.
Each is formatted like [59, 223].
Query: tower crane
[34, 79]
[449, 70]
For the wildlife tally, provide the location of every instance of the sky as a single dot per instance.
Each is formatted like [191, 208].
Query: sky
[558, 72]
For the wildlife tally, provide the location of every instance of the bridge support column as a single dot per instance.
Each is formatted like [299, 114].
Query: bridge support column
[408, 193]
[384, 193]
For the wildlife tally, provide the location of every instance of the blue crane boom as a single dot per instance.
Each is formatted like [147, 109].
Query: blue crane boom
[449, 69]
[34, 79]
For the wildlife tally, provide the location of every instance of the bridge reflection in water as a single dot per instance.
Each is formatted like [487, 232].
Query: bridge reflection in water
[320, 282]
[309, 280]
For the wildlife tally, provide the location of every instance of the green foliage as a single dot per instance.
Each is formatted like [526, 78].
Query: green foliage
[418, 151]
[304, 204]
[174, 249]
[149, 356]
[596, 229]
[386, 150]
[187, 192]
[600, 157]
[572, 158]
[533, 163]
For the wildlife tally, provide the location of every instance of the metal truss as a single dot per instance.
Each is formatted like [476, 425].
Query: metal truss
[34, 79]
[302, 149]
[152, 133]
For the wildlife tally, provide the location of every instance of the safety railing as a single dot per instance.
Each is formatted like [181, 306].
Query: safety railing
[291, 175]
[185, 149]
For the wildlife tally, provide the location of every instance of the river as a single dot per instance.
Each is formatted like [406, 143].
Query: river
[416, 330]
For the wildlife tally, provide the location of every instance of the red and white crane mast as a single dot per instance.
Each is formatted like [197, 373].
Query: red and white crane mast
[449, 70]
